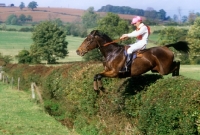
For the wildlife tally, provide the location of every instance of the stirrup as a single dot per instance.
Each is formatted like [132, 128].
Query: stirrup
[124, 70]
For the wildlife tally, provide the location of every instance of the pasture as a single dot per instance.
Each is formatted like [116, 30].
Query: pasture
[13, 42]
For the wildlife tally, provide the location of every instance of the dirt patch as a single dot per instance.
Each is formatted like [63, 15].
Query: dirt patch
[42, 13]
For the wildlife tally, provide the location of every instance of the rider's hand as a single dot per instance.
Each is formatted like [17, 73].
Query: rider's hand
[124, 36]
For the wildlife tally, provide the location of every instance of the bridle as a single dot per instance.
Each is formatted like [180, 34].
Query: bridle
[99, 45]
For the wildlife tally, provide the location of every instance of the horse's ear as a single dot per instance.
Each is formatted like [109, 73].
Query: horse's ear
[94, 32]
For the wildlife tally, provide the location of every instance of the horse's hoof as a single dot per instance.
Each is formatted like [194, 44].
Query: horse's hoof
[97, 91]
[103, 89]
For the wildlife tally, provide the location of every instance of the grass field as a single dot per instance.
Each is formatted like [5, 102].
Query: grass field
[13, 42]
[21, 116]
[190, 71]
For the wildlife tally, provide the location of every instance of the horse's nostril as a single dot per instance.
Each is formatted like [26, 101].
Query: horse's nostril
[78, 52]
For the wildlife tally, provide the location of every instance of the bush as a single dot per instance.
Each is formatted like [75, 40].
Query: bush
[11, 29]
[172, 109]
[197, 60]
[26, 29]
[24, 57]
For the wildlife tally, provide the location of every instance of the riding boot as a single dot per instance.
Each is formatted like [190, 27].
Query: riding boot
[127, 64]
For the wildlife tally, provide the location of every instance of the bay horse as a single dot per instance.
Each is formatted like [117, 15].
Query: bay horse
[156, 59]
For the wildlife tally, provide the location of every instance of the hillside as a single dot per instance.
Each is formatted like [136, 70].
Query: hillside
[47, 13]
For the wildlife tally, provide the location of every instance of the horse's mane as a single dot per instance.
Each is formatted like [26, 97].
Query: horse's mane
[101, 34]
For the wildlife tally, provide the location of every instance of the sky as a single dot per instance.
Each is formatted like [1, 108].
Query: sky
[171, 7]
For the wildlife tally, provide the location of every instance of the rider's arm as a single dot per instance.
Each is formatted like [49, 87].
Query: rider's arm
[136, 33]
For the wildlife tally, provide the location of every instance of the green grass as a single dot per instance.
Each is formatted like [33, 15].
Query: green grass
[17, 27]
[13, 42]
[21, 116]
[188, 71]
[160, 27]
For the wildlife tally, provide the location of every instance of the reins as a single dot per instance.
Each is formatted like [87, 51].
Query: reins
[114, 41]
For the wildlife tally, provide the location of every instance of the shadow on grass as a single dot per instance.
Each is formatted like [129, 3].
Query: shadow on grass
[136, 84]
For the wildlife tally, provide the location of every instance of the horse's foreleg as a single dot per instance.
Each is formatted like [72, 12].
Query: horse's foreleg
[98, 83]
[95, 85]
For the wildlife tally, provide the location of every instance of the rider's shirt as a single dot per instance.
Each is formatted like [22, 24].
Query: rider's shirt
[141, 33]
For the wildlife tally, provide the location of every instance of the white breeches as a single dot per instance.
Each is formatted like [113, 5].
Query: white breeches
[138, 45]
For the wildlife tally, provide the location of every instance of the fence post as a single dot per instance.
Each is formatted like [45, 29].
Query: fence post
[38, 92]
[1, 75]
[32, 90]
[12, 80]
[18, 82]
[3, 78]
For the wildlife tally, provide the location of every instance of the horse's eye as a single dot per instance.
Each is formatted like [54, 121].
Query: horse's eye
[88, 39]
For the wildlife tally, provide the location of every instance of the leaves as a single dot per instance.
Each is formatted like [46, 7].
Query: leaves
[194, 38]
[49, 42]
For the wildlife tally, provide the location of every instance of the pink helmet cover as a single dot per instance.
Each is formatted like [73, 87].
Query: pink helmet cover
[136, 19]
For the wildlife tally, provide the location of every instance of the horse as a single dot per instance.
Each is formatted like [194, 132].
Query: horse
[158, 59]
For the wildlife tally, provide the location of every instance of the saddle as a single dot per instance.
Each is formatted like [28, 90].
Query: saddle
[130, 58]
[137, 54]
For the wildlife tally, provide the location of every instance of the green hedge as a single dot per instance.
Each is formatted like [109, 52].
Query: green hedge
[147, 104]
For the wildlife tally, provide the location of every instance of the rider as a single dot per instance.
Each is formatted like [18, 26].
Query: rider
[141, 33]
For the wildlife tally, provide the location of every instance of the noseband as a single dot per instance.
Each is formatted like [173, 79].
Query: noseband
[90, 40]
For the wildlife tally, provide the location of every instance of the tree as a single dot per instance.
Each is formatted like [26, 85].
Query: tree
[180, 14]
[5, 59]
[184, 19]
[193, 38]
[191, 17]
[49, 42]
[21, 6]
[175, 18]
[152, 14]
[58, 22]
[112, 25]
[161, 14]
[29, 18]
[22, 18]
[12, 19]
[24, 57]
[171, 35]
[90, 18]
[32, 5]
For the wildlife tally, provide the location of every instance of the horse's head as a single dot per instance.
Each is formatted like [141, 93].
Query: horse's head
[88, 44]
[94, 40]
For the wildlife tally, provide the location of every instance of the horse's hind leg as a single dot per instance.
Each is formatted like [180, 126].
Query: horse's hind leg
[175, 71]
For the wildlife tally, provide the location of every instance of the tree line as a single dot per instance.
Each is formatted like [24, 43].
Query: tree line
[16, 20]
[150, 13]
[31, 5]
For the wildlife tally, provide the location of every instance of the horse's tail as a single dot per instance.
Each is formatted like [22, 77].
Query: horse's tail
[181, 46]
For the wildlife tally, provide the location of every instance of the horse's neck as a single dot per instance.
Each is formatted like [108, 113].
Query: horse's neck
[110, 49]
